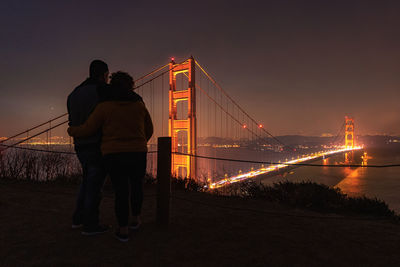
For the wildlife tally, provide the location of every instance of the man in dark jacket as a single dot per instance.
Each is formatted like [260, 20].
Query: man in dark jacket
[81, 102]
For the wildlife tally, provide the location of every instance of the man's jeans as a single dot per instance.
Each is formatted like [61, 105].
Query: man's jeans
[89, 195]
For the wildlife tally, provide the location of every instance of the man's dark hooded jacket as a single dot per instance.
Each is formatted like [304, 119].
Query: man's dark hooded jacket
[81, 102]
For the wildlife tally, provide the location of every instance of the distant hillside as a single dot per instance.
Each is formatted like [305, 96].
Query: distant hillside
[368, 140]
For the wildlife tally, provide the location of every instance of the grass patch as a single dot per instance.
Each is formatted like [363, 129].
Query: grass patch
[303, 195]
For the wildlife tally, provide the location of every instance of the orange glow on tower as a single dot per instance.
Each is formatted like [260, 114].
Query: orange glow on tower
[349, 132]
[186, 126]
[349, 139]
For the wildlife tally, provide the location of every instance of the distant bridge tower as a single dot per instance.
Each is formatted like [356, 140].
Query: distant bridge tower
[349, 132]
[349, 139]
[185, 126]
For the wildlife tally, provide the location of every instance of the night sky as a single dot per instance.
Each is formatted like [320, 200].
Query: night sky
[297, 66]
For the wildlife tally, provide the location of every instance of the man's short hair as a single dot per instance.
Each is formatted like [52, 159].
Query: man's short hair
[97, 69]
[122, 80]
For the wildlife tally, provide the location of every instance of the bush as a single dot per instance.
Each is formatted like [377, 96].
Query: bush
[37, 166]
[186, 184]
[317, 197]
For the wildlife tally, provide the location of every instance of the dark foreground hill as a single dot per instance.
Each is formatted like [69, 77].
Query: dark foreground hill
[205, 231]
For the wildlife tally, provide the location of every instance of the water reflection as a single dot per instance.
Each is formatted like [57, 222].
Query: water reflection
[349, 157]
[352, 181]
[365, 159]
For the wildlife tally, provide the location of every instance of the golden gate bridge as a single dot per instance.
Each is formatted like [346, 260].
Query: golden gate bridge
[214, 140]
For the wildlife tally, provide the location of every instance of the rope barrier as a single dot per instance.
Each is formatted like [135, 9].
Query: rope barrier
[38, 150]
[289, 164]
[50, 151]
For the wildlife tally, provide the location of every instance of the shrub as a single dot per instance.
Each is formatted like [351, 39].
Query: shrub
[317, 197]
[37, 166]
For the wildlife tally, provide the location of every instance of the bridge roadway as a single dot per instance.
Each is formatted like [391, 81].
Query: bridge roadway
[279, 167]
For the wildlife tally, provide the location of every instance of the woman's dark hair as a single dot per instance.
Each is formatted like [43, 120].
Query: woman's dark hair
[122, 80]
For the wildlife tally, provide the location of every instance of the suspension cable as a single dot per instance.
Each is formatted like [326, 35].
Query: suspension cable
[234, 102]
[65, 114]
[339, 133]
[33, 136]
[33, 128]
[146, 82]
[151, 73]
[232, 116]
[222, 108]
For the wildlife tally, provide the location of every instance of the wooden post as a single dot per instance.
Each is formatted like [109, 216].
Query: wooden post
[163, 180]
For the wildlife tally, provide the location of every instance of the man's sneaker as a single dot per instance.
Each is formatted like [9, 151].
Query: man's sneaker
[99, 229]
[76, 226]
[135, 225]
[121, 237]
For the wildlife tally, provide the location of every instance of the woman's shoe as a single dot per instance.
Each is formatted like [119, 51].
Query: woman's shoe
[121, 237]
[76, 226]
[95, 230]
[135, 225]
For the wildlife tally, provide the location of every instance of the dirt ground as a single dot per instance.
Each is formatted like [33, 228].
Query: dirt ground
[205, 230]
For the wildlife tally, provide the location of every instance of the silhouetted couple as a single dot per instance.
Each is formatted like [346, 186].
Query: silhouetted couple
[111, 126]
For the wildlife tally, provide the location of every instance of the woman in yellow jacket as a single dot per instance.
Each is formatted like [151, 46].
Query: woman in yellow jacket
[126, 127]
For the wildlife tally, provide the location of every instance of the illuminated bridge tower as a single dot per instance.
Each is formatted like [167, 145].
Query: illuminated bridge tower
[183, 127]
[349, 138]
[349, 132]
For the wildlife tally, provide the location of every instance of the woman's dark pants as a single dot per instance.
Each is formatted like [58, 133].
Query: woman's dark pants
[127, 171]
